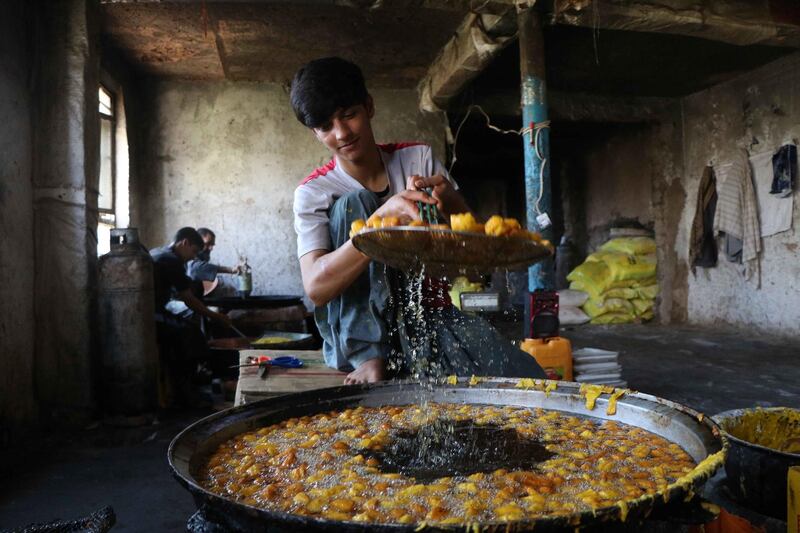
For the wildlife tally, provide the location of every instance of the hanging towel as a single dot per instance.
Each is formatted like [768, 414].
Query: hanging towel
[702, 244]
[737, 213]
[784, 169]
[774, 212]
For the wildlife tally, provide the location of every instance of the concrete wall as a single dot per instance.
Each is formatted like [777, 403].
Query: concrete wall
[668, 198]
[624, 174]
[619, 169]
[65, 180]
[763, 105]
[228, 156]
[16, 220]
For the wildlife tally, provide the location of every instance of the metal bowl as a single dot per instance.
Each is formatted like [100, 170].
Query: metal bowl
[697, 435]
[756, 475]
[273, 301]
[283, 340]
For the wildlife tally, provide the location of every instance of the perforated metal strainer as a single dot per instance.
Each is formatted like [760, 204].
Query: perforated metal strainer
[448, 253]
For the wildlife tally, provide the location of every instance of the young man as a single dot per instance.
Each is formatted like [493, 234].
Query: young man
[352, 295]
[170, 276]
[180, 341]
[201, 268]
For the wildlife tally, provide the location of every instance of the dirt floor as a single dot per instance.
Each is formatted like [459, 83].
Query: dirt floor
[70, 475]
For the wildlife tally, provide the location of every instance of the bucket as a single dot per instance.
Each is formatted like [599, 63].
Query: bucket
[764, 443]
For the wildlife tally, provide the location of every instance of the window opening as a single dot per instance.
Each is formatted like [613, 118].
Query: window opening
[106, 185]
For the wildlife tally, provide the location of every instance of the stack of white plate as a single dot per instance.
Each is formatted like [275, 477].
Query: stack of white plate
[596, 366]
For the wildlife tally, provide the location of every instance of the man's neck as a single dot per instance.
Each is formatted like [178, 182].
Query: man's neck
[368, 171]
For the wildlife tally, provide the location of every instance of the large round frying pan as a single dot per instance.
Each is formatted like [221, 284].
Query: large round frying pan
[699, 436]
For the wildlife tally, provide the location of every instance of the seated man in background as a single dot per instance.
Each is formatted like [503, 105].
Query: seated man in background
[181, 343]
[200, 269]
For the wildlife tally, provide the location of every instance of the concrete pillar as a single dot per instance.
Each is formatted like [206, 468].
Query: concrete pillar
[65, 181]
[534, 111]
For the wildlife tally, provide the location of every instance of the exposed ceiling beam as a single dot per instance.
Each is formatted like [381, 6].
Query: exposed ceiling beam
[479, 38]
[476, 6]
[580, 107]
[740, 22]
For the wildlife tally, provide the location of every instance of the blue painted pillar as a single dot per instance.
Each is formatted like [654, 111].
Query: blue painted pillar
[536, 144]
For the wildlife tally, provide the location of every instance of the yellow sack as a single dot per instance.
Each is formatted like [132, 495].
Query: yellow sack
[593, 278]
[648, 292]
[647, 315]
[624, 284]
[623, 266]
[625, 293]
[595, 308]
[624, 287]
[631, 245]
[650, 259]
[614, 318]
[591, 290]
[644, 282]
[641, 306]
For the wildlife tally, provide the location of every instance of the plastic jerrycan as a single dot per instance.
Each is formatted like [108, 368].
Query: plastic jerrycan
[554, 355]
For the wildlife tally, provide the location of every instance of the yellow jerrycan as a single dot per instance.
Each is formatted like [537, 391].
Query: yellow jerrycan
[554, 355]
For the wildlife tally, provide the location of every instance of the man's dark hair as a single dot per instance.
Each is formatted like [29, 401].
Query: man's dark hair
[190, 234]
[323, 86]
[205, 232]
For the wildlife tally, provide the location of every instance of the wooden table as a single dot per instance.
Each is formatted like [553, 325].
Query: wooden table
[313, 375]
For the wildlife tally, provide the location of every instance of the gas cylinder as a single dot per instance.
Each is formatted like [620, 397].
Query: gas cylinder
[127, 327]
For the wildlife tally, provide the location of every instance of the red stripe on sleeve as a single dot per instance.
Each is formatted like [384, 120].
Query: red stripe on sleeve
[321, 171]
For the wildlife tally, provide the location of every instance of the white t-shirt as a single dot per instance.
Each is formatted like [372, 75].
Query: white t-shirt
[317, 193]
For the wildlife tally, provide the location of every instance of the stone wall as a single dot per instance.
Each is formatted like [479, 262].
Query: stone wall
[65, 180]
[651, 174]
[228, 156]
[619, 172]
[760, 107]
[628, 175]
[17, 403]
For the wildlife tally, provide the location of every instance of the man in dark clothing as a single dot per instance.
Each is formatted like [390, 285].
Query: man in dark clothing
[181, 344]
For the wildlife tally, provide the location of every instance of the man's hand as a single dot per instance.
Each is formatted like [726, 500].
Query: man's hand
[196, 305]
[447, 198]
[403, 205]
[222, 319]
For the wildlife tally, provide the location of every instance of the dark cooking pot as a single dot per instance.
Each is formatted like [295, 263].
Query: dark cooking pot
[699, 436]
[756, 474]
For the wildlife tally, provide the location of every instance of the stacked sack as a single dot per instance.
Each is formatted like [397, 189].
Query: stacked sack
[620, 279]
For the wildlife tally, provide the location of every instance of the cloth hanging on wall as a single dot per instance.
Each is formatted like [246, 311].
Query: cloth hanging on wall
[774, 212]
[737, 213]
[702, 244]
[784, 168]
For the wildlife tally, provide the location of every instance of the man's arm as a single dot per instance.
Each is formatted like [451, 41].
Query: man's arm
[326, 274]
[228, 270]
[193, 303]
